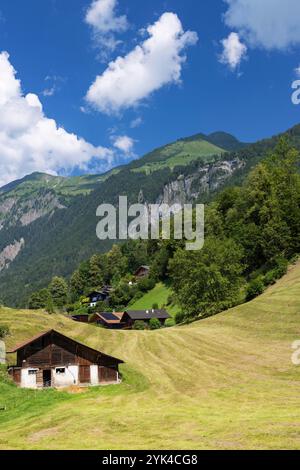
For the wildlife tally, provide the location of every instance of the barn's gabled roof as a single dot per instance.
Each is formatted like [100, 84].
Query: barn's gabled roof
[54, 332]
[31, 340]
[147, 314]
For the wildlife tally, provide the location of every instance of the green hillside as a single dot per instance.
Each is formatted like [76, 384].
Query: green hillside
[226, 383]
[160, 296]
[70, 186]
[180, 153]
[60, 238]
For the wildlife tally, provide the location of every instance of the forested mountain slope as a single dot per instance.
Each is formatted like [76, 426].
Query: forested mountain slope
[48, 224]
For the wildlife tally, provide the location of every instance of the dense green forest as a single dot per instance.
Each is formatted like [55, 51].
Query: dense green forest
[252, 232]
[60, 236]
[56, 243]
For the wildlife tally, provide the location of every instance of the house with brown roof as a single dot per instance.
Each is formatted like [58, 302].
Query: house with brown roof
[126, 320]
[111, 320]
[52, 359]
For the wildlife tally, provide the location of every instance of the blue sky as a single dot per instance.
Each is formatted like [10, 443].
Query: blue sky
[58, 53]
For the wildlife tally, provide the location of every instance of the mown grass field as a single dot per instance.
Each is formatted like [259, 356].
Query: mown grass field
[226, 383]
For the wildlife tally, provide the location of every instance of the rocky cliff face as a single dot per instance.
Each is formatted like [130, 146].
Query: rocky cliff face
[20, 211]
[209, 178]
[25, 210]
[10, 252]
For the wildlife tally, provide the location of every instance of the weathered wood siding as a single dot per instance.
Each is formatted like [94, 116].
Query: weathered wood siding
[84, 374]
[16, 375]
[54, 350]
[107, 374]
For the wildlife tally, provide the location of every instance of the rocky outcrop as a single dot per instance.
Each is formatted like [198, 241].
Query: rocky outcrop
[25, 210]
[208, 178]
[7, 205]
[36, 209]
[10, 252]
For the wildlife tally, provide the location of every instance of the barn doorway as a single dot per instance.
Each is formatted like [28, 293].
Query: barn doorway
[84, 374]
[47, 378]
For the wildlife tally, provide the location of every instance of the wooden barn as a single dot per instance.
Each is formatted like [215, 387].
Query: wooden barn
[51, 359]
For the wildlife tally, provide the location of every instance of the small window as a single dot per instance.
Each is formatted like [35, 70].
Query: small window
[32, 372]
[60, 370]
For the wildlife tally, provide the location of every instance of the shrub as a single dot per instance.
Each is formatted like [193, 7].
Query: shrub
[281, 267]
[137, 297]
[270, 278]
[38, 299]
[139, 325]
[70, 308]
[81, 311]
[146, 284]
[170, 322]
[154, 324]
[49, 306]
[255, 288]
[179, 318]
[155, 306]
[100, 307]
[4, 331]
[58, 290]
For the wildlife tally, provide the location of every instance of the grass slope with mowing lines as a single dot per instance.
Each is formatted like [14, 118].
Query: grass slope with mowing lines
[226, 382]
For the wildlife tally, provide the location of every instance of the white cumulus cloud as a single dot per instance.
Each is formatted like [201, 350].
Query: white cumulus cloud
[124, 143]
[268, 24]
[29, 141]
[105, 23]
[233, 51]
[156, 62]
[137, 122]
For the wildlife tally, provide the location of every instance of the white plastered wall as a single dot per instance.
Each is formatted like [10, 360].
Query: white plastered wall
[94, 375]
[70, 377]
[28, 380]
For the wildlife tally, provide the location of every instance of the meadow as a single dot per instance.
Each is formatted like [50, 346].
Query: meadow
[226, 382]
[159, 295]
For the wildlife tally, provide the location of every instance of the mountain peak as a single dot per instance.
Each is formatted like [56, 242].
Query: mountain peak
[35, 176]
[220, 139]
[224, 140]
